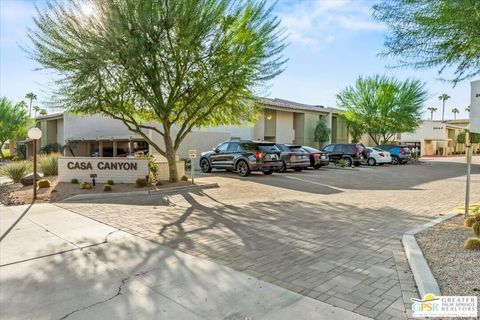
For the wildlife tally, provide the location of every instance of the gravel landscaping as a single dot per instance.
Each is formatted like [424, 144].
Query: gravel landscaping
[457, 270]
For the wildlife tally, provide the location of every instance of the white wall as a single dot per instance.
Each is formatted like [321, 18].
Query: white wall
[259, 128]
[284, 127]
[60, 129]
[93, 126]
[428, 130]
[119, 176]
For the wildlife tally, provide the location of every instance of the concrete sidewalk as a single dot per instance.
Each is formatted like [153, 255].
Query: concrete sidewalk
[56, 264]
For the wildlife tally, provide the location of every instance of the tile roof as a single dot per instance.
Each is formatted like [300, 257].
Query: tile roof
[290, 105]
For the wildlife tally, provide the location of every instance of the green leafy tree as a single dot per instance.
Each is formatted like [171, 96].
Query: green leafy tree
[455, 111]
[432, 110]
[14, 122]
[444, 97]
[433, 33]
[383, 106]
[30, 96]
[160, 66]
[474, 137]
[322, 132]
[43, 112]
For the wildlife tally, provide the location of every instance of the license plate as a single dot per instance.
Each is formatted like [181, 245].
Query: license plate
[323, 157]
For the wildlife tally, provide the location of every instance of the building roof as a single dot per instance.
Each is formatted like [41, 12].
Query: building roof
[52, 116]
[295, 106]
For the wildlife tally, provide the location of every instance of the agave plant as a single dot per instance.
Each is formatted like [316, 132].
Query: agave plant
[16, 170]
[48, 164]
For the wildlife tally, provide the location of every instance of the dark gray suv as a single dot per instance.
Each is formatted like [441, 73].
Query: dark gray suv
[242, 156]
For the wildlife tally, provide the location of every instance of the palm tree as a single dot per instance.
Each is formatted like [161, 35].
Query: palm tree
[432, 110]
[467, 109]
[444, 97]
[43, 112]
[36, 109]
[30, 96]
[455, 111]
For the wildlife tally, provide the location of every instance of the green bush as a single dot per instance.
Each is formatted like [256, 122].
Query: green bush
[341, 163]
[48, 164]
[110, 182]
[86, 185]
[141, 182]
[184, 178]
[44, 183]
[107, 187]
[16, 170]
[17, 158]
[74, 181]
[52, 148]
[476, 228]
[472, 243]
[469, 222]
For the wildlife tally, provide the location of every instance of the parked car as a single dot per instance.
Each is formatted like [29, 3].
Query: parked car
[242, 156]
[317, 158]
[378, 156]
[293, 157]
[400, 154]
[351, 153]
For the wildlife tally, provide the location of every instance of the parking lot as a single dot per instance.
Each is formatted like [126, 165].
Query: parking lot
[330, 234]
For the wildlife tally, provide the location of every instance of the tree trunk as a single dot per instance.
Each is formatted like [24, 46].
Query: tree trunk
[170, 154]
[1, 151]
[443, 111]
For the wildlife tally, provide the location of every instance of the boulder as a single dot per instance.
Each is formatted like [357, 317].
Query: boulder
[28, 180]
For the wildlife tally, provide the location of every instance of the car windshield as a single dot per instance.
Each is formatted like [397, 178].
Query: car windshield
[311, 150]
[296, 149]
[378, 149]
[266, 147]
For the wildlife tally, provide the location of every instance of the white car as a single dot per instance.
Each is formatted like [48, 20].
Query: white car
[378, 156]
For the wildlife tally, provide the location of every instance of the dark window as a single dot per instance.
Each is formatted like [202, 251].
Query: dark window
[297, 149]
[268, 147]
[234, 147]
[329, 148]
[339, 148]
[311, 150]
[282, 148]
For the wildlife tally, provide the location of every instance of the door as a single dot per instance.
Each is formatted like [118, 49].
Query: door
[217, 160]
[337, 152]
[329, 149]
[234, 149]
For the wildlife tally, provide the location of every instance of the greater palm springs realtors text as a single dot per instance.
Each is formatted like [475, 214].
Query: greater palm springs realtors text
[76, 165]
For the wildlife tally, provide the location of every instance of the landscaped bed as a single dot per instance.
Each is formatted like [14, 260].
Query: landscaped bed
[16, 194]
[456, 269]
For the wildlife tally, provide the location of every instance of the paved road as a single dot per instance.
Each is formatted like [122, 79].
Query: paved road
[83, 269]
[333, 235]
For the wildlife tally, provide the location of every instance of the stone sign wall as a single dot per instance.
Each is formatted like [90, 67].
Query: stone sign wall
[120, 170]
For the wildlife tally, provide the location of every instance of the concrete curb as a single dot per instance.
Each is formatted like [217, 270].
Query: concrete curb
[340, 168]
[91, 196]
[422, 274]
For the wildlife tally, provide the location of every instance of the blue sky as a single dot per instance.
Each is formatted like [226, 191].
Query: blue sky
[332, 42]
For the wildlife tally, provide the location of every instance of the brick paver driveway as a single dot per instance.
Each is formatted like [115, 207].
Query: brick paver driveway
[333, 235]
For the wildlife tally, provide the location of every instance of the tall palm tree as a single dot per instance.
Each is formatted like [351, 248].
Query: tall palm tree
[36, 109]
[432, 110]
[43, 112]
[30, 96]
[444, 97]
[455, 111]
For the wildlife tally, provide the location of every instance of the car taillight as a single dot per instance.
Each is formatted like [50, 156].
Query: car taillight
[357, 150]
[381, 154]
[258, 155]
[402, 151]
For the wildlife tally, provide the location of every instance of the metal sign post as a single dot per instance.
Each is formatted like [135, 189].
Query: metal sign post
[474, 127]
[192, 154]
[468, 154]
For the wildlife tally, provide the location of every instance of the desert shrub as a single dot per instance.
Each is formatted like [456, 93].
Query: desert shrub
[469, 222]
[52, 148]
[476, 228]
[86, 185]
[107, 187]
[17, 158]
[44, 183]
[184, 178]
[16, 170]
[472, 243]
[110, 182]
[48, 164]
[74, 181]
[141, 182]
[341, 163]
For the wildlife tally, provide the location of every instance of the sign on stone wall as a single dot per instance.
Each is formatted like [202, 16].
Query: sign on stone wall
[120, 170]
[475, 107]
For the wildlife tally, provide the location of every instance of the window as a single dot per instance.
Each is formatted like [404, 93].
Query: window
[234, 147]
[297, 149]
[282, 148]
[329, 148]
[338, 148]
[311, 150]
[223, 147]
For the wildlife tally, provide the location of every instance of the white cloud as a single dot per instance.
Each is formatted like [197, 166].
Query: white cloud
[312, 23]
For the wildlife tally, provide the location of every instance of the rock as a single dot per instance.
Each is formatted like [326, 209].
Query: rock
[28, 180]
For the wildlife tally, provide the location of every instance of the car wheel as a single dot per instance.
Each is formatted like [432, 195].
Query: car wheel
[348, 162]
[298, 169]
[242, 169]
[403, 162]
[268, 172]
[371, 162]
[395, 160]
[205, 165]
[283, 168]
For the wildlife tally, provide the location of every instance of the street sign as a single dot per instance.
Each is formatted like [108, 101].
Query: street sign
[192, 154]
[475, 107]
